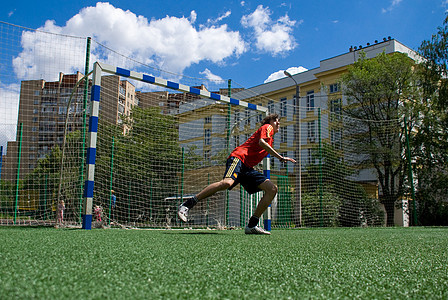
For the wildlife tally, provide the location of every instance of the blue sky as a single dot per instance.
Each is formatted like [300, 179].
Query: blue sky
[247, 41]
[258, 38]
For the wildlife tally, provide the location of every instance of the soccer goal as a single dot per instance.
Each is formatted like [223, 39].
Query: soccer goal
[142, 159]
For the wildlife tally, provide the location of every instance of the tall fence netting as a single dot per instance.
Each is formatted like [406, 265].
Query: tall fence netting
[156, 146]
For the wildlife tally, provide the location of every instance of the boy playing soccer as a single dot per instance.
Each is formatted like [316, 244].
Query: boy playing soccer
[240, 169]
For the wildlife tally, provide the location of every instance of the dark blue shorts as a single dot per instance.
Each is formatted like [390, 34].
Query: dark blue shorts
[249, 178]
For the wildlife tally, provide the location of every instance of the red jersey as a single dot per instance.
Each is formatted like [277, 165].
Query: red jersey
[250, 153]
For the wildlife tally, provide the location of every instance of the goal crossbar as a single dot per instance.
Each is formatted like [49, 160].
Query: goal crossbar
[178, 86]
[98, 68]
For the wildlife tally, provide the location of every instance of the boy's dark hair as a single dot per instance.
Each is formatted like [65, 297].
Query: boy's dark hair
[269, 118]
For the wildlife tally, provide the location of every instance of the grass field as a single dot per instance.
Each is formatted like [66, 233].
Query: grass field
[373, 263]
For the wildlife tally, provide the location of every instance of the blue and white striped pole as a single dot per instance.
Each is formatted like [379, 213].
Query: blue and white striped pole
[91, 150]
[267, 173]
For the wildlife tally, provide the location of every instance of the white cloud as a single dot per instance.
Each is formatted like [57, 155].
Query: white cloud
[270, 36]
[281, 74]
[45, 55]
[392, 6]
[220, 18]
[9, 107]
[193, 16]
[210, 76]
[170, 43]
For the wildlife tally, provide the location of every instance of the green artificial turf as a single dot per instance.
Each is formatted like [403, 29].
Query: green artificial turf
[373, 263]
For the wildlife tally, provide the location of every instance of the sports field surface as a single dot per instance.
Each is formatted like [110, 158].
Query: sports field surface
[357, 263]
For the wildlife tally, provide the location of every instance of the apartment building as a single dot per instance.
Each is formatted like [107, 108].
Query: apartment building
[319, 91]
[43, 110]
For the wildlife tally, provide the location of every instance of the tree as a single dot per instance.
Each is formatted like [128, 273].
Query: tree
[349, 199]
[430, 140]
[376, 90]
[146, 165]
[54, 178]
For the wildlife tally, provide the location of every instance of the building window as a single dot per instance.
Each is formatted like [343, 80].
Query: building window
[334, 88]
[247, 118]
[310, 100]
[271, 107]
[310, 156]
[283, 134]
[311, 132]
[283, 163]
[207, 155]
[336, 138]
[335, 109]
[236, 140]
[207, 135]
[208, 120]
[260, 115]
[283, 107]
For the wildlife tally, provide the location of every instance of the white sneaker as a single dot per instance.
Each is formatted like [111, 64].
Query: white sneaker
[255, 230]
[182, 213]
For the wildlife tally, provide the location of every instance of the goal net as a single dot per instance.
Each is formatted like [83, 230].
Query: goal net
[156, 144]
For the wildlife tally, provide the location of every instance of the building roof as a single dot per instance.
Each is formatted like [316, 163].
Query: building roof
[342, 60]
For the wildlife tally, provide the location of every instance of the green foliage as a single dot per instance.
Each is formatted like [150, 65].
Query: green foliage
[320, 210]
[347, 198]
[377, 89]
[7, 192]
[221, 157]
[430, 139]
[46, 178]
[192, 159]
[146, 160]
[435, 65]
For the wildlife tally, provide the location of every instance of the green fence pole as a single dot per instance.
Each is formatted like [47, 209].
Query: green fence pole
[182, 175]
[18, 172]
[129, 202]
[45, 196]
[111, 176]
[84, 124]
[182, 179]
[208, 198]
[411, 177]
[150, 199]
[320, 169]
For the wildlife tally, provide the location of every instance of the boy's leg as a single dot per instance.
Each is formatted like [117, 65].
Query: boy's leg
[270, 190]
[211, 189]
[215, 187]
